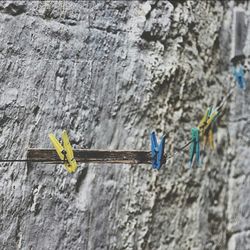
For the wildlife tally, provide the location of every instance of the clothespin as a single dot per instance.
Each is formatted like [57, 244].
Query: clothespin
[206, 126]
[157, 151]
[239, 76]
[195, 147]
[65, 151]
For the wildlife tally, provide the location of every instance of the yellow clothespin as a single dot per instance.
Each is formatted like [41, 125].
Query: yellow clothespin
[65, 151]
[206, 127]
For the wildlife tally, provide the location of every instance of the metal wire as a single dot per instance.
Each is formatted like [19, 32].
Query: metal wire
[27, 160]
[177, 150]
[218, 108]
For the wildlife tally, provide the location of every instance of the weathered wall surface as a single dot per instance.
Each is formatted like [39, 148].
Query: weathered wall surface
[109, 72]
[238, 155]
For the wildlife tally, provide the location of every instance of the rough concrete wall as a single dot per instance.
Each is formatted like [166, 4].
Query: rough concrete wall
[238, 208]
[109, 72]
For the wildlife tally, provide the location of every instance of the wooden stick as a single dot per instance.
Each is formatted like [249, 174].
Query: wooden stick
[89, 155]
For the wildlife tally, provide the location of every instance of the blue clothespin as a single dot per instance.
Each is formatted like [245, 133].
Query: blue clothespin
[157, 151]
[195, 147]
[239, 76]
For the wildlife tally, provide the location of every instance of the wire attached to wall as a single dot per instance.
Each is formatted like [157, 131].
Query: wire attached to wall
[139, 156]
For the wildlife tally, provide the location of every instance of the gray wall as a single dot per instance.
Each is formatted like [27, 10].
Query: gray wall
[109, 72]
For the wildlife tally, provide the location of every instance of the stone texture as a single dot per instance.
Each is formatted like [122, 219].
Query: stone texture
[109, 72]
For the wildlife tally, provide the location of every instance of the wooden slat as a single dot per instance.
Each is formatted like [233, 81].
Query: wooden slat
[89, 155]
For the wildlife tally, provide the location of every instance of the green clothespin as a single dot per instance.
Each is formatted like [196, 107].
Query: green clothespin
[195, 147]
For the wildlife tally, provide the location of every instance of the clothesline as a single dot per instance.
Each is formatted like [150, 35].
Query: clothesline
[108, 156]
[218, 108]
